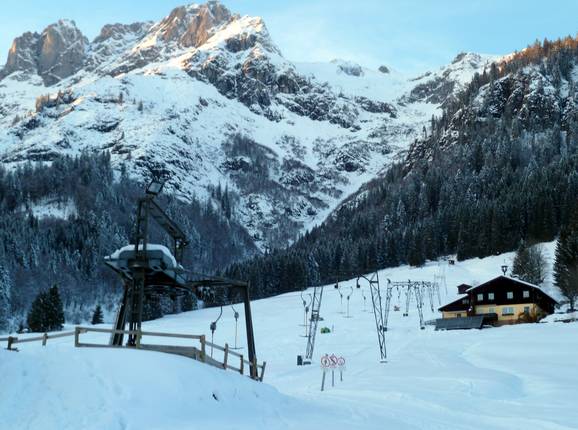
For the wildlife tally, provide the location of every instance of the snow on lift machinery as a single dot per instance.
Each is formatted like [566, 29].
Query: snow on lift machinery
[378, 310]
[313, 323]
[306, 307]
[146, 268]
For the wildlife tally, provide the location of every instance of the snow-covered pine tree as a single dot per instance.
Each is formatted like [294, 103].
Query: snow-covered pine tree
[566, 263]
[529, 263]
[97, 317]
[5, 296]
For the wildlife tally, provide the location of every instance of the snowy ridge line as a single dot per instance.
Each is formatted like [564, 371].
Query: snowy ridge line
[207, 96]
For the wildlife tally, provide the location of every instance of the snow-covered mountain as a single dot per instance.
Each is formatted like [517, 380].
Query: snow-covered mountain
[206, 96]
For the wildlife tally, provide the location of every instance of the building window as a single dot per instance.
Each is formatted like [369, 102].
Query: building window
[507, 310]
[490, 296]
[527, 310]
[458, 315]
[492, 310]
[510, 295]
[465, 301]
[526, 294]
[480, 297]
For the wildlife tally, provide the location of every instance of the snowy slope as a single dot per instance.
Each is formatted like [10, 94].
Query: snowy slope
[511, 377]
[206, 96]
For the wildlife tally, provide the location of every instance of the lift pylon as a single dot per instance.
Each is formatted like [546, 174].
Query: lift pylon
[376, 300]
[313, 323]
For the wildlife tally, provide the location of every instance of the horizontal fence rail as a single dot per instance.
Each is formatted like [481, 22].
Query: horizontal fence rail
[199, 354]
[196, 353]
[12, 340]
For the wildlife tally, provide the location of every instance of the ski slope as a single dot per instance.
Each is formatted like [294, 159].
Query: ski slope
[514, 377]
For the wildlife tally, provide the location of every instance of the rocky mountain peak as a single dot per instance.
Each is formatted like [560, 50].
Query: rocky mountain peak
[192, 25]
[55, 54]
[61, 51]
[348, 67]
[118, 31]
[22, 54]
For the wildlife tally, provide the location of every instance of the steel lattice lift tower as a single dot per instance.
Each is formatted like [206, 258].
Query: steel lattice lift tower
[379, 312]
[313, 322]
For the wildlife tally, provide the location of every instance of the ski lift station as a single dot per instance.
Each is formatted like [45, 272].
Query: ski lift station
[145, 268]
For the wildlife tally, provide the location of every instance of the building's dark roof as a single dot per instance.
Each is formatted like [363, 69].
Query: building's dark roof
[512, 281]
[462, 288]
[456, 305]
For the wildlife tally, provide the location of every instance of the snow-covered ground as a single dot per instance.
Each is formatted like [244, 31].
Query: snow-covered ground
[513, 377]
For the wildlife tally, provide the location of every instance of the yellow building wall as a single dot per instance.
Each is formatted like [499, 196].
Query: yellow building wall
[454, 314]
[535, 310]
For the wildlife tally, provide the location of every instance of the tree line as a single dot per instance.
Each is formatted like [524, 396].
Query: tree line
[38, 251]
[492, 171]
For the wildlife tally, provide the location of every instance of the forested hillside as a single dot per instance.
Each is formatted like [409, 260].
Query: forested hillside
[499, 165]
[58, 221]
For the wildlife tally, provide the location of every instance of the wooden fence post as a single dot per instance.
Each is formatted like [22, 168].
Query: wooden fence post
[138, 337]
[11, 340]
[254, 369]
[44, 338]
[262, 371]
[203, 349]
[242, 364]
[76, 336]
[226, 356]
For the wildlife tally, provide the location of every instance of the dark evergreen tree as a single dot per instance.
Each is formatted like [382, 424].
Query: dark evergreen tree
[188, 302]
[5, 298]
[46, 313]
[97, 317]
[55, 310]
[566, 263]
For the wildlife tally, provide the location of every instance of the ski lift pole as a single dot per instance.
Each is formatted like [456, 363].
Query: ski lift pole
[349, 297]
[213, 328]
[338, 288]
[236, 315]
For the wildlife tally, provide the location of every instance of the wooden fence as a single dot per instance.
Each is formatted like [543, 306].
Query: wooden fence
[232, 360]
[193, 352]
[44, 338]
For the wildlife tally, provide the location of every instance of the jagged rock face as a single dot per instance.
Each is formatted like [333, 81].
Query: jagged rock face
[528, 98]
[191, 26]
[258, 82]
[61, 51]
[55, 54]
[437, 87]
[206, 96]
[348, 68]
[22, 55]
[113, 40]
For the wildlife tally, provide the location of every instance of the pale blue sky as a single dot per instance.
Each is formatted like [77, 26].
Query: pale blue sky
[408, 35]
